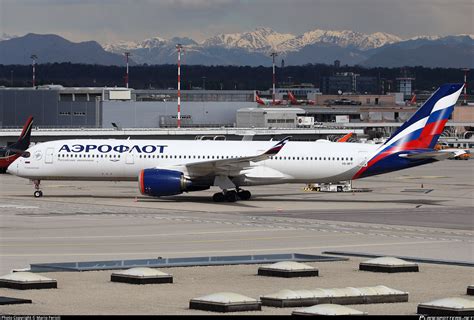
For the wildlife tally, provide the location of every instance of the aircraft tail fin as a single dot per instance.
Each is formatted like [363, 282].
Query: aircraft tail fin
[292, 98]
[259, 100]
[425, 126]
[23, 141]
[346, 137]
[418, 135]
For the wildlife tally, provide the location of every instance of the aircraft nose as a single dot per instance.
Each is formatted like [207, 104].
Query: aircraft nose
[13, 168]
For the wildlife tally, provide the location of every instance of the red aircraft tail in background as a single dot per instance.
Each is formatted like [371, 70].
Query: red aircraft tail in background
[345, 138]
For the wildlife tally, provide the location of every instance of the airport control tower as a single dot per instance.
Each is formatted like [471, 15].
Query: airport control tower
[404, 86]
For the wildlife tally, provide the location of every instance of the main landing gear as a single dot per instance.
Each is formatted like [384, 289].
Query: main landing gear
[231, 195]
[38, 193]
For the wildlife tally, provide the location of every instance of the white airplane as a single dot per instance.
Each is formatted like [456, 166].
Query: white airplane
[169, 167]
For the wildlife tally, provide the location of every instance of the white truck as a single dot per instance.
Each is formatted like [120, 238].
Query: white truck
[342, 186]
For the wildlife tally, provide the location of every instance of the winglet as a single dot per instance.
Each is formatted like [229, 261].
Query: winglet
[276, 148]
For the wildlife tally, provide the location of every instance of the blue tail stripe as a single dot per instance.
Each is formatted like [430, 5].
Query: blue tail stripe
[440, 115]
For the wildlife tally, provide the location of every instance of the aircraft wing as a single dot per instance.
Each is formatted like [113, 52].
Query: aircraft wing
[436, 155]
[229, 167]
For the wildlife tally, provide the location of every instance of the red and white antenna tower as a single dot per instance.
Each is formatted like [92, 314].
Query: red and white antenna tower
[127, 54]
[179, 47]
[465, 85]
[273, 55]
[34, 57]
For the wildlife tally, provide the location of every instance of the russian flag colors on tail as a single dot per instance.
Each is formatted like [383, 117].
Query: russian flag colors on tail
[416, 136]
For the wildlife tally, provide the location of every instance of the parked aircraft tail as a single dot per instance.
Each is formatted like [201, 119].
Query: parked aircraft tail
[413, 143]
[23, 141]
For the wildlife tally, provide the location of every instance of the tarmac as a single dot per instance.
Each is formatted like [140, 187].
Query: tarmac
[424, 212]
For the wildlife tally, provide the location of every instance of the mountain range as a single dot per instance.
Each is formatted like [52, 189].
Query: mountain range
[253, 48]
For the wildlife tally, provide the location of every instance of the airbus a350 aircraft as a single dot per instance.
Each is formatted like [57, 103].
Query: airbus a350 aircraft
[168, 167]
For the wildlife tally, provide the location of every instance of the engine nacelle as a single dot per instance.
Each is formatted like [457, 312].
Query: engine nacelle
[162, 182]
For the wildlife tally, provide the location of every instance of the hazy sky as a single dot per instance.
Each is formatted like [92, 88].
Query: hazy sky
[111, 20]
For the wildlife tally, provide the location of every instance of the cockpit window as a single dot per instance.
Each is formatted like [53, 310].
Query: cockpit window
[26, 154]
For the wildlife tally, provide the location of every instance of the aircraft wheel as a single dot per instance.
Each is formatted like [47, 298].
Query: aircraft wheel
[38, 194]
[218, 197]
[244, 195]
[231, 196]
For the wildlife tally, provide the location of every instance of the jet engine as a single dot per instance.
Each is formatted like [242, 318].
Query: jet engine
[162, 182]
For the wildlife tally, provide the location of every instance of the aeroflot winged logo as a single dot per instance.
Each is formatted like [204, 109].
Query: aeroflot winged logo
[105, 148]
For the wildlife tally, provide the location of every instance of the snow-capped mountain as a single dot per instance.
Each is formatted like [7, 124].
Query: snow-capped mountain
[249, 45]
[123, 46]
[252, 48]
[5, 36]
[152, 51]
[425, 37]
[259, 40]
[344, 38]
[265, 40]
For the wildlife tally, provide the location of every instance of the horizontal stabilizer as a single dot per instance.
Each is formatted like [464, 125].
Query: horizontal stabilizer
[436, 155]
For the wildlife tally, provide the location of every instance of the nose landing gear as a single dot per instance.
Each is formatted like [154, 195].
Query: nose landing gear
[38, 193]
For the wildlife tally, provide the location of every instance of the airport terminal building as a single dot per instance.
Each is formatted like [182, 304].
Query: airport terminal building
[72, 108]
[56, 106]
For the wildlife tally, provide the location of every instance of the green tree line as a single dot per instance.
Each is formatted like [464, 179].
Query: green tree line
[213, 77]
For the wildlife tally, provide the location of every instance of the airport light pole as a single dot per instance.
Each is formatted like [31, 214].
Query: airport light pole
[179, 47]
[273, 55]
[466, 70]
[34, 57]
[127, 54]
